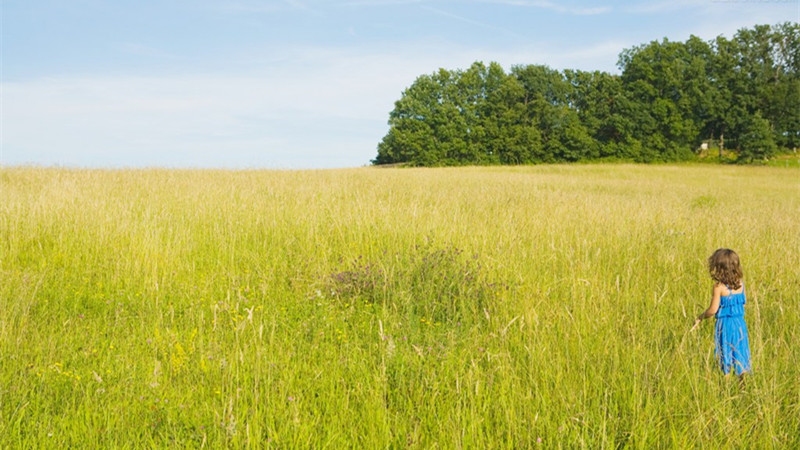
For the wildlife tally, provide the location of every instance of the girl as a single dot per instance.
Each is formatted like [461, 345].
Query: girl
[732, 347]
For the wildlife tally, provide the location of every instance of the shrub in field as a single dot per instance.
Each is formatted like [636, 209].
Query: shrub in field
[438, 284]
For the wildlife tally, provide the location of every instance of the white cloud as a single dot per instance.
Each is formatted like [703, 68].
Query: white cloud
[184, 119]
[144, 50]
[735, 16]
[708, 19]
[315, 104]
[307, 107]
[380, 2]
[560, 8]
[260, 6]
[543, 4]
[721, 13]
[469, 21]
[659, 6]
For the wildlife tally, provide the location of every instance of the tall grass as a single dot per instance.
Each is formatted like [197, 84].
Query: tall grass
[459, 308]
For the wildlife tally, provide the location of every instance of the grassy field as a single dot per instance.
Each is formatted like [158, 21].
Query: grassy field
[540, 307]
[788, 160]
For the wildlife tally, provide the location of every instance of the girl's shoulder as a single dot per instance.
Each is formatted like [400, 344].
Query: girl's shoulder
[725, 291]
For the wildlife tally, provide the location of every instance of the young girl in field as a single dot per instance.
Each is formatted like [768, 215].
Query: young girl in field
[732, 347]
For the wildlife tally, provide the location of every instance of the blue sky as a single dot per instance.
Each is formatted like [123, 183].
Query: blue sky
[286, 84]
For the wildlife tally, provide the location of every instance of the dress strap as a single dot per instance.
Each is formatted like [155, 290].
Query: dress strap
[730, 291]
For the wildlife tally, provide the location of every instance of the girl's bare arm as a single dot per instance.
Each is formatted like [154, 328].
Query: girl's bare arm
[712, 308]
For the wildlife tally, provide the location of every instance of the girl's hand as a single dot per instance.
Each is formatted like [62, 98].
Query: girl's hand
[696, 323]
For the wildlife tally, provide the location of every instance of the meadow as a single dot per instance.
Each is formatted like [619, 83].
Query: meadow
[500, 307]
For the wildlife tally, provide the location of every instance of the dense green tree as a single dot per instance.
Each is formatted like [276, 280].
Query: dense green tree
[756, 141]
[667, 81]
[769, 63]
[785, 114]
[728, 100]
[783, 88]
[547, 93]
[412, 137]
[511, 138]
[605, 110]
[742, 93]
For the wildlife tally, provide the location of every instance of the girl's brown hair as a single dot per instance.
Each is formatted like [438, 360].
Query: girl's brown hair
[724, 268]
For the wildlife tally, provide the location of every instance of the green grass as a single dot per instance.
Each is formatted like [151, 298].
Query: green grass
[788, 160]
[502, 307]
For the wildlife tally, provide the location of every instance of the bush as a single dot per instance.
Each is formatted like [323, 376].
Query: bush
[437, 284]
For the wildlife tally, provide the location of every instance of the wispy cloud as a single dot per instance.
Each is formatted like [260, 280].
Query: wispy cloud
[297, 4]
[251, 6]
[729, 16]
[143, 50]
[221, 120]
[744, 11]
[283, 114]
[660, 6]
[543, 4]
[469, 21]
[289, 96]
[380, 2]
[580, 11]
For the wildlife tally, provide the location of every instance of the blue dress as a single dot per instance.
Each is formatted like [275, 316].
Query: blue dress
[732, 347]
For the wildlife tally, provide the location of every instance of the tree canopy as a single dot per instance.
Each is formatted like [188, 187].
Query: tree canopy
[741, 95]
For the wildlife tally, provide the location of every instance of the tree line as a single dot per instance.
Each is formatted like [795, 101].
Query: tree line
[671, 101]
